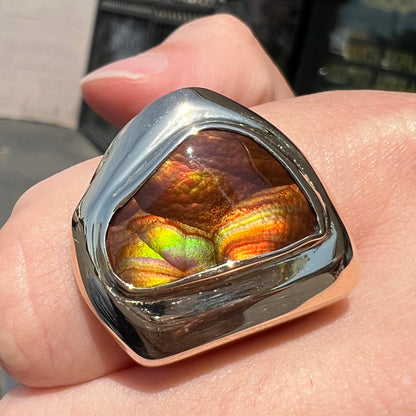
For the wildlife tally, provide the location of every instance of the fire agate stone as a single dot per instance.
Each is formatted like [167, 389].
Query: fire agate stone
[219, 197]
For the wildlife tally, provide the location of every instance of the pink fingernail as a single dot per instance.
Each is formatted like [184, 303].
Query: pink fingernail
[134, 68]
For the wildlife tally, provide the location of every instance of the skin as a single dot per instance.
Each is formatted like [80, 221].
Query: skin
[356, 357]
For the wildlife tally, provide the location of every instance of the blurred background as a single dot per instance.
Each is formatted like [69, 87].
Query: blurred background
[48, 45]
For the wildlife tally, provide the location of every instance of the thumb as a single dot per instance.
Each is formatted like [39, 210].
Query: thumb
[217, 52]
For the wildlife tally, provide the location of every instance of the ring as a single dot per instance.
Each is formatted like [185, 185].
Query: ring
[204, 224]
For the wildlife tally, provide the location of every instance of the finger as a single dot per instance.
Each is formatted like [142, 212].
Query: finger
[219, 53]
[364, 151]
[363, 144]
[44, 329]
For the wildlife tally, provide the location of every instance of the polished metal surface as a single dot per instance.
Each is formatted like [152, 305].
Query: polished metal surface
[165, 323]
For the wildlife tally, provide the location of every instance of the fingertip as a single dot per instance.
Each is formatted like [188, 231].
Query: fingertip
[118, 91]
[133, 68]
[102, 96]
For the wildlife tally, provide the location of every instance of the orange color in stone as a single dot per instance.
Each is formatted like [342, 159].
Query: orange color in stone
[269, 220]
[219, 197]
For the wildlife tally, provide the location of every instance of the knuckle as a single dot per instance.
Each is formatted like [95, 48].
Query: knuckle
[26, 199]
[231, 26]
[226, 27]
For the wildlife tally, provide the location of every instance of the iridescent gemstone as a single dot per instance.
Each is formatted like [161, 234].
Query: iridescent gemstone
[269, 220]
[219, 197]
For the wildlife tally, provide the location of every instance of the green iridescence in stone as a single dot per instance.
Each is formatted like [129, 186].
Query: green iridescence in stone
[220, 197]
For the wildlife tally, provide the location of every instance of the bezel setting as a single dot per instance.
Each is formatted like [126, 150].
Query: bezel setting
[166, 323]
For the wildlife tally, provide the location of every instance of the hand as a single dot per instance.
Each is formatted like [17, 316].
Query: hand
[355, 357]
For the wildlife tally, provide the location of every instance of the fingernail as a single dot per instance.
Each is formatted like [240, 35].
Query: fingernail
[134, 68]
